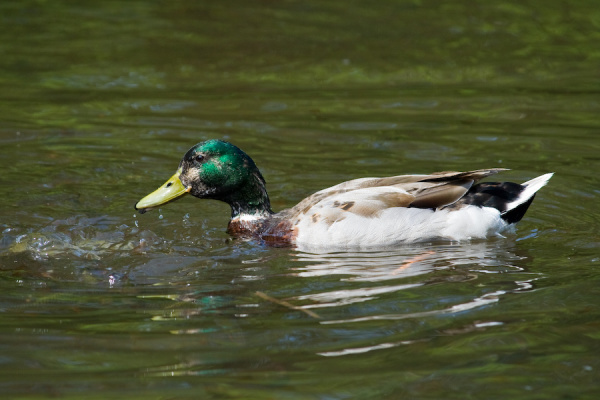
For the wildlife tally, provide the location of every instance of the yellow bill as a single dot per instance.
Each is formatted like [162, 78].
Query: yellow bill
[171, 190]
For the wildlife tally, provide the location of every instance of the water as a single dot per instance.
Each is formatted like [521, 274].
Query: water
[100, 101]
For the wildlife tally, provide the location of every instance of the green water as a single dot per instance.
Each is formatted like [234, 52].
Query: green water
[98, 102]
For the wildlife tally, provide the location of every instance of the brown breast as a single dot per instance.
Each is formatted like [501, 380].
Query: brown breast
[271, 231]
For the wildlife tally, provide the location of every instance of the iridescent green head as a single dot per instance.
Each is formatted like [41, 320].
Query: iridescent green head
[215, 170]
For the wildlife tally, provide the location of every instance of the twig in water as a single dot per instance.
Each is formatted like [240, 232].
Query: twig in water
[286, 304]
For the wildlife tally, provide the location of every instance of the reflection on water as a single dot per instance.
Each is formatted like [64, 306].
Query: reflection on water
[406, 261]
[403, 261]
[381, 277]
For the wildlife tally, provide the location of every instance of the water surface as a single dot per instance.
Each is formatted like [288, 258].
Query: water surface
[98, 102]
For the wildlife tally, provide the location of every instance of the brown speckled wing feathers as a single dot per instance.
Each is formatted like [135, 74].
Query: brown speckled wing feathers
[423, 191]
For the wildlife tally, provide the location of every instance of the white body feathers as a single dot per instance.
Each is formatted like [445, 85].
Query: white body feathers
[372, 222]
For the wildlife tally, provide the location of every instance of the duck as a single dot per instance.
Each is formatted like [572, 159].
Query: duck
[363, 212]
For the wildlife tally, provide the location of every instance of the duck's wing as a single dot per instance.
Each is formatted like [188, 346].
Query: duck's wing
[370, 195]
[444, 188]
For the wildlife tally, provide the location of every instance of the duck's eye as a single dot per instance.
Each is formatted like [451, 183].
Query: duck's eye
[199, 158]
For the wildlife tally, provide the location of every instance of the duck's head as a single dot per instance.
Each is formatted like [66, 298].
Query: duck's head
[214, 170]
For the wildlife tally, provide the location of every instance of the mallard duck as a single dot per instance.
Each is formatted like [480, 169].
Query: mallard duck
[363, 212]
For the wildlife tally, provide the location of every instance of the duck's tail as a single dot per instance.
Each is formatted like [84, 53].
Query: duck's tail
[516, 208]
[511, 199]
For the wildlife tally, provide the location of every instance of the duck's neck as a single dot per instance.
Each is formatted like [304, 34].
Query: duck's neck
[251, 201]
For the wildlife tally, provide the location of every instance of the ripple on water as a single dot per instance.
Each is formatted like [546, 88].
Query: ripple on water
[416, 283]
[80, 237]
